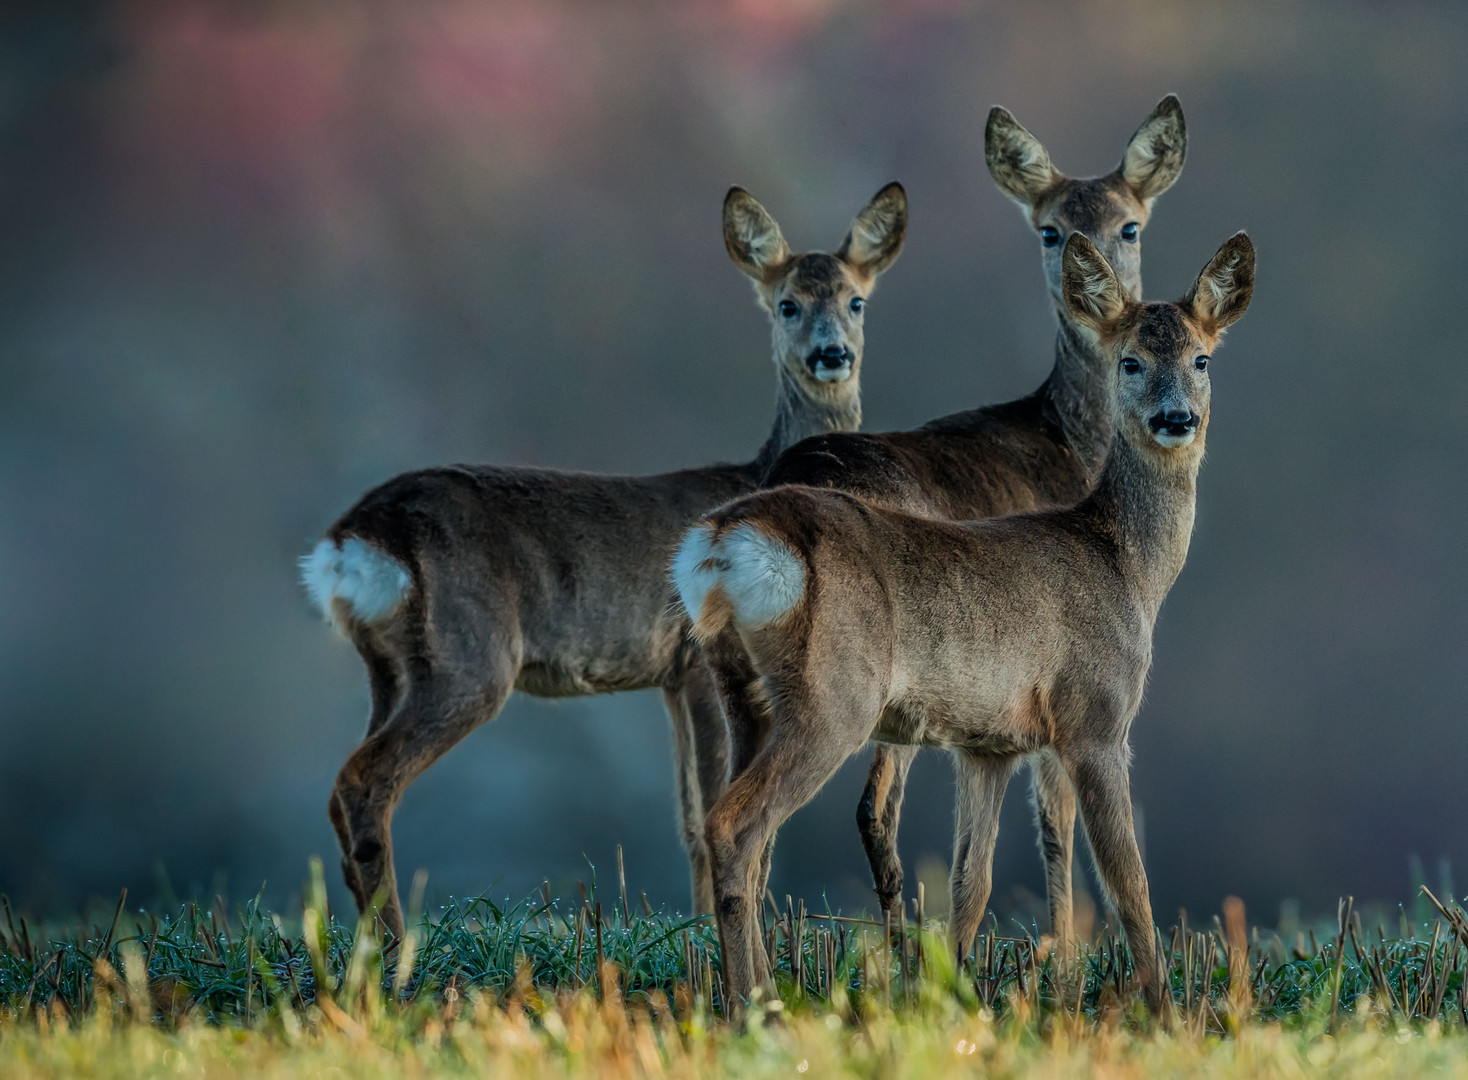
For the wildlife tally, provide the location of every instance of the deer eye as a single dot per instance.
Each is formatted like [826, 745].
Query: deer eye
[1129, 232]
[1049, 235]
[858, 304]
[789, 308]
[1131, 365]
[1201, 363]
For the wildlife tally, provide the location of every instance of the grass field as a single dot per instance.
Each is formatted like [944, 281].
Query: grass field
[550, 989]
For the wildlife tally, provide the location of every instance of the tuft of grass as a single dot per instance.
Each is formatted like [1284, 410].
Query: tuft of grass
[539, 957]
[576, 1035]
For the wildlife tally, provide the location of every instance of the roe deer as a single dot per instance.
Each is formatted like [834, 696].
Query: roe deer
[1042, 450]
[993, 638]
[460, 584]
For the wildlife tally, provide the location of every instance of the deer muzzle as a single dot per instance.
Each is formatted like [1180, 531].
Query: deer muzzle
[830, 363]
[1174, 427]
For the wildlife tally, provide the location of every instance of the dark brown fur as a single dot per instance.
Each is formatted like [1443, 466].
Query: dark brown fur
[1042, 450]
[994, 639]
[554, 583]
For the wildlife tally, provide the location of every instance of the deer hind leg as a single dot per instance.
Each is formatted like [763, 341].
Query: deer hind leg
[436, 711]
[700, 745]
[746, 716]
[981, 783]
[1103, 789]
[747, 719]
[710, 734]
[877, 816]
[791, 766]
[1054, 801]
[385, 688]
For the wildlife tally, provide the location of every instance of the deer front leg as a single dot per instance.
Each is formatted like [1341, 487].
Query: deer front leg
[981, 782]
[1103, 789]
[701, 752]
[690, 801]
[877, 816]
[1054, 801]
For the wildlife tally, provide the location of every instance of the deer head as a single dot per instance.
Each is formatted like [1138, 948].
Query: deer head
[816, 301]
[1161, 350]
[1111, 211]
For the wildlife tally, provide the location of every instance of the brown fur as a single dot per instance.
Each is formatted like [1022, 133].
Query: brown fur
[993, 639]
[1042, 450]
[554, 583]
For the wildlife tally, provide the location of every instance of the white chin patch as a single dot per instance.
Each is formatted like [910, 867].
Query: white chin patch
[1170, 441]
[836, 374]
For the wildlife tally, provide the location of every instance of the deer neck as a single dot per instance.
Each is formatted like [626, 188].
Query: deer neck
[800, 414]
[1078, 394]
[1147, 501]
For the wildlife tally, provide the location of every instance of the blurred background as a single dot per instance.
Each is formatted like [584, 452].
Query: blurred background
[259, 257]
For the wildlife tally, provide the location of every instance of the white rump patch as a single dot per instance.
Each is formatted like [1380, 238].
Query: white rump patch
[368, 583]
[762, 576]
[693, 572]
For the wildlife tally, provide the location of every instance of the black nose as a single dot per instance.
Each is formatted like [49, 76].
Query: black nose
[831, 356]
[1174, 421]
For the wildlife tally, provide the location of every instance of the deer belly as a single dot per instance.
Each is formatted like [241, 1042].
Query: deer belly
[1002, 735]
[601, 653]
[978, 718]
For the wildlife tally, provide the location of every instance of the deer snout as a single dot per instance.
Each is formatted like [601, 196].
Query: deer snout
[830, 363]
[1174, 426]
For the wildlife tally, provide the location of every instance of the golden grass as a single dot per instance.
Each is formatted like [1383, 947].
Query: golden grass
[577, 1036]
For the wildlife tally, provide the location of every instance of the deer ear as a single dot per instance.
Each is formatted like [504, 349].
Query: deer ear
[1223, 290]
[752, 237]
[876, 236]
[1016, 160]
[1092, 293]
[1154, 158]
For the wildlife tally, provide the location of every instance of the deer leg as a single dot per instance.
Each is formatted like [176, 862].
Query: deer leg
[710, 735]
[877, 816]
[690, 802]
[435, 713]
[385, 689]
[746, 716]
[793, 764]
[700, 745]
[383, 683]
[337, 814]
[1054, 801]
[981, 782]
[1103, 789]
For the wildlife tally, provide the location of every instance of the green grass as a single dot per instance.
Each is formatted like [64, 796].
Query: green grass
[544, 988]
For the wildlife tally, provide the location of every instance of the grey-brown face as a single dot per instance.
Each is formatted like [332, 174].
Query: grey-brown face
[1161, 350]
[1105, 212]
[1163, 389]
[1110, 211]
[816, 301]
[817, 309]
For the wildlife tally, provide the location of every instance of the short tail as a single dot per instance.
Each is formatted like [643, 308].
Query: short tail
[743, 575]
[354, 582]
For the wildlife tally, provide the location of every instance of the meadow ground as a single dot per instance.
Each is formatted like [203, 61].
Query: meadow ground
[590, 988]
